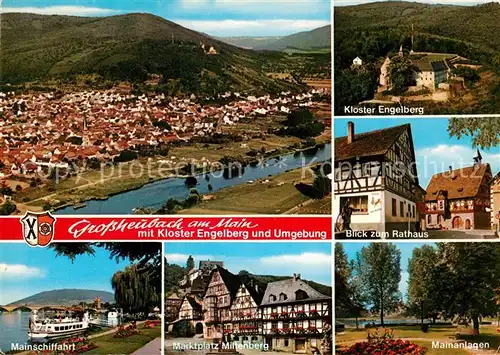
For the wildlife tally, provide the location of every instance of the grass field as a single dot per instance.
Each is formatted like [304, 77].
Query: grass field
[445, 334]
[276, 196]
[109, 345]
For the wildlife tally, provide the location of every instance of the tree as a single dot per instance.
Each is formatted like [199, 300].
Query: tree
[342, 276]
[420, 269]
[299, 116]
[190, 263]
[173, 275]
[469, 274]
[485, 131]
[378, 267]
[134, 291]
[400, 73]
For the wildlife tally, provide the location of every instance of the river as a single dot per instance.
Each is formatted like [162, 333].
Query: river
[13, 329]
[155, 194]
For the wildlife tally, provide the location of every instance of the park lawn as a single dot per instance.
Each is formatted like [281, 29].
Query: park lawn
[109, 345]
[488, 334]
[431, 351]
[274, 197]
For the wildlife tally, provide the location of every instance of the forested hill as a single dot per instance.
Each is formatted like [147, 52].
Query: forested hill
[125, 47]
[314, 39]
[174, 274]
[65, 297]
[475, 24]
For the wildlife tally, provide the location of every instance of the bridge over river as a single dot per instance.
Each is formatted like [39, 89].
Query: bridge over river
[36, 307]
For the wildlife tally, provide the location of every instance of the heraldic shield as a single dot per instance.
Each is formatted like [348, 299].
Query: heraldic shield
[38, 228]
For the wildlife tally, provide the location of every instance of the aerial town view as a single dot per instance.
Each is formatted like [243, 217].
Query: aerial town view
[121, 111]
[417, 298]
[248, 299]
[395, 178]
[80, 298]
[416, 58]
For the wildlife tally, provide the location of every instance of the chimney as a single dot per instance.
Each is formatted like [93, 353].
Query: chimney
[450, 169]
[298, 276]
[294, 277]
[350, 132]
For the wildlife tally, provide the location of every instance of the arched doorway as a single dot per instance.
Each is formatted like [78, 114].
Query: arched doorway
[467, 224]
[198, 328]
[457, 222]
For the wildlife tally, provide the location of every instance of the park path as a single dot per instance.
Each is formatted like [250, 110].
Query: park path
[151, 348]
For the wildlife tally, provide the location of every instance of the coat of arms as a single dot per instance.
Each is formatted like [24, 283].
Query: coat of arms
[38, 228]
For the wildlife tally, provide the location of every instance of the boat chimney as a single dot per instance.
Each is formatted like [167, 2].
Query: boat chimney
[350, 132]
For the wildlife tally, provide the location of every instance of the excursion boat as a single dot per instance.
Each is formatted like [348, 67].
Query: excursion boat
[54, 328]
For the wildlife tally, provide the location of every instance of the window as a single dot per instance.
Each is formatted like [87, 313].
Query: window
[283, 297]
[272, 298]
[287, 342]
[236, 338]
[245, 338]
[57, 329]
[394, 208]
[254, 338]
[429, 219]
[357, 202]
[301, 295]
[413, 211]
[401, 209]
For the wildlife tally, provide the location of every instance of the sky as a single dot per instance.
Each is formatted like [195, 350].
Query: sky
[435, 150]
[406, 252]
[25, 271]
[214, 17]
[311, 260]
[444, 2]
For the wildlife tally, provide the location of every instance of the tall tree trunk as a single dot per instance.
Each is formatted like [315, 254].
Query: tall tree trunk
[475, 323]
[382, 314]
[357, 324]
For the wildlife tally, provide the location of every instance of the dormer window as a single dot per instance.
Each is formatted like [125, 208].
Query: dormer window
[301, 295]
[272, 298]
[283, 297]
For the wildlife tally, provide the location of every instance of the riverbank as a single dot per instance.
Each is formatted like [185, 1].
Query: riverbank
[271, 195]
[110, 181]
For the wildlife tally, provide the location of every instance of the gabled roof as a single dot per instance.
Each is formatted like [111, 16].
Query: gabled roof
[459, 183]
[289, 287]
[368, 144]
[231, 281]
[256, 295]
[196, 306]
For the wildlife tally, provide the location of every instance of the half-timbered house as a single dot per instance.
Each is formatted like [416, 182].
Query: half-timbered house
[190, 309]
[376, 175]
[172, 305]
[295, 316]
[220, 292]
[460, 198]
[246, 318]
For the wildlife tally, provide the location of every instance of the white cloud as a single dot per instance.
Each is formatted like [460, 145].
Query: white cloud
[181, 259]
[252, 27]
[304, 260]
[436, 159]
[19, 272]
[60, 10]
